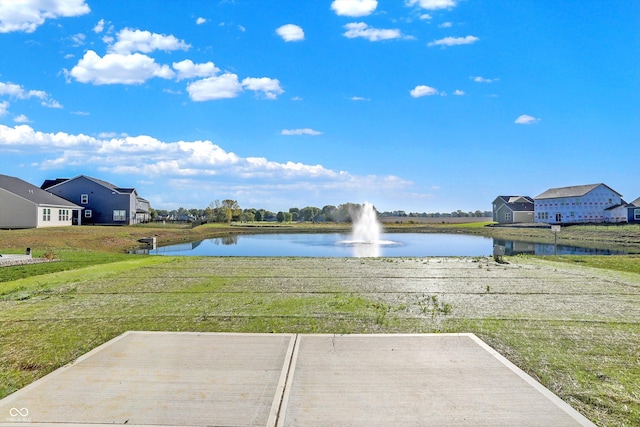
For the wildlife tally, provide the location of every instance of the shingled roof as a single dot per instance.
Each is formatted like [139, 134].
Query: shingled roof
[32, 193]
[573, 191]
[518, 203]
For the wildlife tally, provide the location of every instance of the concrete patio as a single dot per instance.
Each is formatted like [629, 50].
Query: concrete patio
[223, 379]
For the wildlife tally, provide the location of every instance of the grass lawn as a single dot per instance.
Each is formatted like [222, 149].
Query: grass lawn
[572, 326]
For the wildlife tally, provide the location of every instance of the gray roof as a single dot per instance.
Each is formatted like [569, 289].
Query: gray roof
[32, 193]
[573, 191]
[518, 203]
[52, 183]
[636, 202]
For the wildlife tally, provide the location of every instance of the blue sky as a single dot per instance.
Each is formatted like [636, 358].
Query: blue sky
[415, 105]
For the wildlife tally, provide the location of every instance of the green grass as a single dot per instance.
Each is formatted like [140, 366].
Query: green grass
[630, 264]
[63, 260]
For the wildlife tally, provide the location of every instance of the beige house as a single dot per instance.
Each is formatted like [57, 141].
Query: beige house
[23, 205]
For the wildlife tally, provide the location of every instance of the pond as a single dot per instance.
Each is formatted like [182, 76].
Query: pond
[389, 245]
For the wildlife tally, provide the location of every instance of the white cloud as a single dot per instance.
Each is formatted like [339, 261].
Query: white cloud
[305, 131]
[480, 79]
[432, 4]
[51, 103]
[423, 90]
[116, 68]
[177, 166]
[145, 155]
[4, 108]
[425, 17]
[526, 119]
[360, 29]
[200, 20]
[445, 25]
[21, 119]
[359, 98]
[459, 92]
[18, 92]
[187, 69]
[290, 33]
[354, 8]
[28, 15]
[99, 27]
[270, 88]
[78, 39]
[129, 41]
[454, 41]
[215, 87]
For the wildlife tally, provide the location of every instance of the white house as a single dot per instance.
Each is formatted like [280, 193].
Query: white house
[579, 204]
[23, 205]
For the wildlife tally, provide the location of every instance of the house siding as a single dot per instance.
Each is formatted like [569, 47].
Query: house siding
[521, 217]
[513, 209]
[102, 201]
[23, 205]
[16, 212]
[587, 208]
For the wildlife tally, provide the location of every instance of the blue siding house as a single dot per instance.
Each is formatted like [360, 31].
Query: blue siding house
[103, 202]
[633, 211]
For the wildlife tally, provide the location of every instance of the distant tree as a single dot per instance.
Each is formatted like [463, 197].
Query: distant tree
[280, 216]
[258, 215]
[328, 212]
[247, 216]
[208, 214]
[268, 215]
[309, 213]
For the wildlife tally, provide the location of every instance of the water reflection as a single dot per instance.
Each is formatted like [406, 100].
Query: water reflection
[514, 247]
[336, 245]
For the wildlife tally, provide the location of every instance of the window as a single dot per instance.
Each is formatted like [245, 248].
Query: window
[119, 215]
[84, 199]
[88, 213]
[636, 214]
[63, 215]
[46, 214]
[507, 216]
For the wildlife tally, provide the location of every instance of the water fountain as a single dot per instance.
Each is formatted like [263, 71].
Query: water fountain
[366, 228]
[366, 231]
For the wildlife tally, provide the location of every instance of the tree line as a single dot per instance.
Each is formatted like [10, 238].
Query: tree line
[226, 211]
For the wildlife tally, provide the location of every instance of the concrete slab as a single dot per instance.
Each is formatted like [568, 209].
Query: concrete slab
[147, 378]
[408, 380]
[216, 379]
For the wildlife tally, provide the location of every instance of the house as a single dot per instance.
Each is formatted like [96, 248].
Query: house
[594, 203]
[23, 205]
[513, 209]
[633, 211]
[103, 202]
